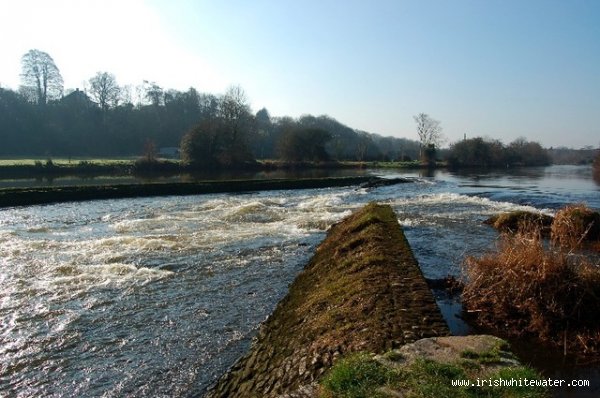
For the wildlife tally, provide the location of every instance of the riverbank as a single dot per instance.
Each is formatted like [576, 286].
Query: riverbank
[49, 168]
[451, 366]
[362, 291]
[30, 196]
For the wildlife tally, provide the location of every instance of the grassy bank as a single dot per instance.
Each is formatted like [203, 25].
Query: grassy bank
[361, 291]
[428, 368]
[70, 162]
[56, 167]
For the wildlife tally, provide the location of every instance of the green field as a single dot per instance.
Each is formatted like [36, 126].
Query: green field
[64, 161]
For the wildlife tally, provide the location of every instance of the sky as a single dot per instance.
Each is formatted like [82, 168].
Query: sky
[500, 69]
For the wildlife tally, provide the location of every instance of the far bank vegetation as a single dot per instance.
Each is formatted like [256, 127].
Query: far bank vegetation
[107, 119]
[596, 167]
[43, 119]
[480, 152]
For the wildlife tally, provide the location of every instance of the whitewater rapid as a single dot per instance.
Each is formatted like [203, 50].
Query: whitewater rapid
[157, 296]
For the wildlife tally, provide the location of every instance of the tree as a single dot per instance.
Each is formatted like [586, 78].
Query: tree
[238, 124]
[528, 153]
[262, 142]
[41, 79]
[362, 147]
[304, 144]
[201, 146]
[221, 138]
[474, 152]
[104, 90]
[150, 153]
[428, 130]
[479, 152]
[153, 93]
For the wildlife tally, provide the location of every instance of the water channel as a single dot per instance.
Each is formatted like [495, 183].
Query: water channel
[158, 296]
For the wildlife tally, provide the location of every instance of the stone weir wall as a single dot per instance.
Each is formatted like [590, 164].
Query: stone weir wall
[362, 291]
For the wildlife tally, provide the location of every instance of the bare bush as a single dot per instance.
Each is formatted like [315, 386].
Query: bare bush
[529, 288]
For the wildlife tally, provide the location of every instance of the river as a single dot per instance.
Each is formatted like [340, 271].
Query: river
[158, 296]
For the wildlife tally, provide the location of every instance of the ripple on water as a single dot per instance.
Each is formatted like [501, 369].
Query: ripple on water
[157, 296]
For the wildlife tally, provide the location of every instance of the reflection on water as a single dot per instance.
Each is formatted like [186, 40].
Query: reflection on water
[158, 296]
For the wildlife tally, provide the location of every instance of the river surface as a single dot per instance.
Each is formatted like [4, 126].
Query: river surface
[158, 296]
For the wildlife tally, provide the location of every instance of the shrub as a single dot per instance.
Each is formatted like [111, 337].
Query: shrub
[211, 144]
[574, 225]
[304, 145]
[519, 220]
[527, 288]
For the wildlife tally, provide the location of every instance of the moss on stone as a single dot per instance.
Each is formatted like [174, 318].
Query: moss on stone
[361, 291]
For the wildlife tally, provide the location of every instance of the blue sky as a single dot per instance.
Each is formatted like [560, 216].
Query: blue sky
[501, 69]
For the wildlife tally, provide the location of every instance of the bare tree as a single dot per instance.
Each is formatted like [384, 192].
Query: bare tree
[362, 147]
[234, 105]
[340, 147]
[41, 79]
[154, 93]
[222, 138]
[126, 95]
[235, 112]
[104, 90]
[428, 130]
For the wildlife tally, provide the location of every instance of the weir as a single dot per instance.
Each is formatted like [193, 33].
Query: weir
[361, 291]
[44, 195]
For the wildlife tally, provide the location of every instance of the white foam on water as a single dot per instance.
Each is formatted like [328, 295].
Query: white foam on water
[208, 226]
[415, 222]
[255, 211]
[443, 208]
[455, 199]
[319, 202]
[128, 243]
[102, 274]
[97, 256]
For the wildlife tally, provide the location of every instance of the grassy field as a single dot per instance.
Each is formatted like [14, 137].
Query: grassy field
[76, 160]
[64, 161]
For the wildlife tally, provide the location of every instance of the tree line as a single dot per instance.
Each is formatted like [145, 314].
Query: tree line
[106, 119]
[480, 152]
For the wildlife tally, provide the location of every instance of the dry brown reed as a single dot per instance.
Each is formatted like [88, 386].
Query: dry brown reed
[575, 226]
[516, 220]
[528, 287]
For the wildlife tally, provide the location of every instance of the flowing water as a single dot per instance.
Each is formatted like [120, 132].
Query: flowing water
[158, 296]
